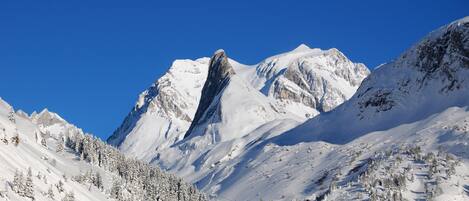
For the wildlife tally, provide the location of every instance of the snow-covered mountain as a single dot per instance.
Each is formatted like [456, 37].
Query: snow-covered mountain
[402, 135]
[308, 81]
[297, 126]
[428, 78]
[299, 84]
[46, 158]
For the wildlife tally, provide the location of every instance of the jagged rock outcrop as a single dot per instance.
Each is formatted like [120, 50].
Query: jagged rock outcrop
[309, 81]
[229, 107]
[435, 67]
[46, 118]
[219, 73]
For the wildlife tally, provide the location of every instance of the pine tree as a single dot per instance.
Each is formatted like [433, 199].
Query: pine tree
[16, 139]
[60, 186]
[59, 146]
[44, 142]
[70, 196]
[50, 193]
[4, 136]
[116, 190]
[18, 183]
[11, 116]
[98, 181]
[29, 185]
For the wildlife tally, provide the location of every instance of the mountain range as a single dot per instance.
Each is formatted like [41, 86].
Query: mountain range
[311, 124]
[308, 124]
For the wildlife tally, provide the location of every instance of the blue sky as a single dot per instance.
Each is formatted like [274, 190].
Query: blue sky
[88, 60]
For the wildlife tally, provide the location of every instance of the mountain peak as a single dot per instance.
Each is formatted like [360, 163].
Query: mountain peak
[4, 104]
[219, 74]
[301, 47]
[219, 67]
[44, 111]
[46, 117]
[219, 51]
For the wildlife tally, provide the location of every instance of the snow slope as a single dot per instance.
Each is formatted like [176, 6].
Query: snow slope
[56, 170]
[163, 113]
[42, 161]
[272, 171]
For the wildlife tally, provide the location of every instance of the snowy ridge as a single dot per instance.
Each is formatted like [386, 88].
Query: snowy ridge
[428, 78]
[45, 158]
[169, 104]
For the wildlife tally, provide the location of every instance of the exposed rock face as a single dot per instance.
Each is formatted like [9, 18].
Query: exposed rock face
[438, 64]
[219, 73]
[442, 55]
[47, 118]
[316, 80]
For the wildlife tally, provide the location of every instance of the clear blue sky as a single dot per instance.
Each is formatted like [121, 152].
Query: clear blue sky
[88, 60]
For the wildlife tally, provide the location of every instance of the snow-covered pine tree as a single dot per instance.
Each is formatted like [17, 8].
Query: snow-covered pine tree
[50, 193]
[11, 116]
[60, 186]
[70, 196]
[116, 190]
[59, 147]
[98, 181]
[3, 135]
[43, 140]
[18, 185]
[29, 185]
[16, 138]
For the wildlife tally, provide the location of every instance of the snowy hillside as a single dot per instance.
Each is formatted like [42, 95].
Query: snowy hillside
[45, 158]
[164, 112]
